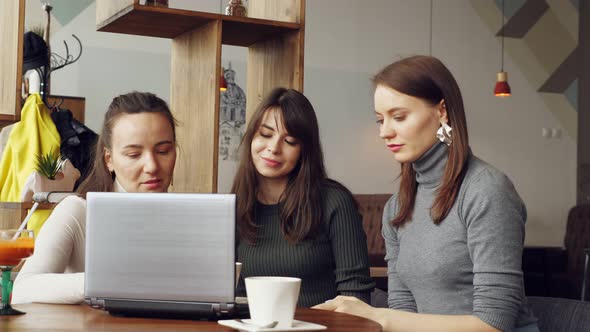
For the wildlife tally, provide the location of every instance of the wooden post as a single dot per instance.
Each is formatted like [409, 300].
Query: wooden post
[279, 61]
[194, 99]
[12, 18]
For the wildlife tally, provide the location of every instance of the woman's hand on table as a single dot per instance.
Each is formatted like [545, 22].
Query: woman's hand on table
[350, 305]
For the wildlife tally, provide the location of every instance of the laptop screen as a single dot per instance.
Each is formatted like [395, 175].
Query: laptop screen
[160, 247]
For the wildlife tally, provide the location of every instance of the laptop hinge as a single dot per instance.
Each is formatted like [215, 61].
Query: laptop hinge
[222, 308]
[95, 303]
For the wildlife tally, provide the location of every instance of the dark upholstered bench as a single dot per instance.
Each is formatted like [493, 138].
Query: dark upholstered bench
[371, 208]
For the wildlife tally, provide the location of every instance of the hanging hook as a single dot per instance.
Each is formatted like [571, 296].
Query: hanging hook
[56, 104]
[58, 62]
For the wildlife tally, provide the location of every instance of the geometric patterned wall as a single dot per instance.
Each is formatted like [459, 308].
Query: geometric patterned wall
[541, 38]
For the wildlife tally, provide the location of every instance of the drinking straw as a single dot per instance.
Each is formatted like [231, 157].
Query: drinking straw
[24, 223]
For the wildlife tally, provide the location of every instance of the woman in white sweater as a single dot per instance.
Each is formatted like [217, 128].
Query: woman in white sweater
[136, 152]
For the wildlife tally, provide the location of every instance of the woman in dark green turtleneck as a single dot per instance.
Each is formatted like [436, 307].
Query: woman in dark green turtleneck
[292, 220]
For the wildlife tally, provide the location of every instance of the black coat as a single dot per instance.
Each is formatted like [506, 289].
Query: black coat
[77, 141]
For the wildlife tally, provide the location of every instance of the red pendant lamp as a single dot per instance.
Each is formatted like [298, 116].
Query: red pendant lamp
[502, 89]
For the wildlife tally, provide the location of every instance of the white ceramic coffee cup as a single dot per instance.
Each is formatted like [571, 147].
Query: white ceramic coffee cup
[272, 299]
[238, 270]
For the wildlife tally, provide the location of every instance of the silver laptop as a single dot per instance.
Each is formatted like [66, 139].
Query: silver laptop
[161, 253]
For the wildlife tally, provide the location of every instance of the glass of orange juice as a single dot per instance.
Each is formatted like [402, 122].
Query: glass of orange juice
[15, 245]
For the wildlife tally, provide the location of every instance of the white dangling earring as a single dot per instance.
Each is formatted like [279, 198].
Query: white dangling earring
[444, 133]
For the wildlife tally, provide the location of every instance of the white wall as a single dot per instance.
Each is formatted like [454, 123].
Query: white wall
[346, 43]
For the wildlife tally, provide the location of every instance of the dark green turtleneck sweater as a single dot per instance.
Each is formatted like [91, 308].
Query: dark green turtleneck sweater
[335, 262]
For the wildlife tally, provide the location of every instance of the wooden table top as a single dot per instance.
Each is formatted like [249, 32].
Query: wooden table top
[56, 317]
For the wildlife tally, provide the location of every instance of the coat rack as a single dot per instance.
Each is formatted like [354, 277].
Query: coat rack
[56, 61]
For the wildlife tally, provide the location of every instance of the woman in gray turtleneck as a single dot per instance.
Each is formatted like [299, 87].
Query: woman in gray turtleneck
[455, 230]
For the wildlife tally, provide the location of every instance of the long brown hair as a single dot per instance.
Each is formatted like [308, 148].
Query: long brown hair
[427, 78]
[300, 203]
[100, 178]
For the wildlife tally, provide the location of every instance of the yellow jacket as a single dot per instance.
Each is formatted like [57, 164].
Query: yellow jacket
[34, 135]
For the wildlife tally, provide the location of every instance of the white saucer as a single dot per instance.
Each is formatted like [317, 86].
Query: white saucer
[298, 325]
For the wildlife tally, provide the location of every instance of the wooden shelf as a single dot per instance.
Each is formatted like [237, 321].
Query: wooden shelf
[170, 23]
[243, 31]
[274, 34]
[42, 206]
[7, 119]
[76, 105]
[13, 213]
[26, 205]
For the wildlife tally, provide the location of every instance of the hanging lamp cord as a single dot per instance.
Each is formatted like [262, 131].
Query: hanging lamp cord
[430, 41]
[502, 36]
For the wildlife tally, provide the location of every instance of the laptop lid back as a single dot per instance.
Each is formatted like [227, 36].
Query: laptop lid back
[160, 247]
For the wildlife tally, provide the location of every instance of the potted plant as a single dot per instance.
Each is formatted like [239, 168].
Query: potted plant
[50, 165]
[52, 173]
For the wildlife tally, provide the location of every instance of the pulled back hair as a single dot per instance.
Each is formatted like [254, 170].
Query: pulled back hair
[100, 178]
[427, 78]
[300, 203]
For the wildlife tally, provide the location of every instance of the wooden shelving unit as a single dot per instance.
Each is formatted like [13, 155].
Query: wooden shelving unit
[274, 34]
[12, 21]
[6, 119]
[13, 213]
[171, 23]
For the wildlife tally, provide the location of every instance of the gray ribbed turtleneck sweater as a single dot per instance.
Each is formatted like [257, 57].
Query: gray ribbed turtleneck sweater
[470, 264]
[334, 262]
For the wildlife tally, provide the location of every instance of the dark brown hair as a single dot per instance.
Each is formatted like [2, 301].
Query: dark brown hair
[427, 78]
[99, 178]
[300, 203]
